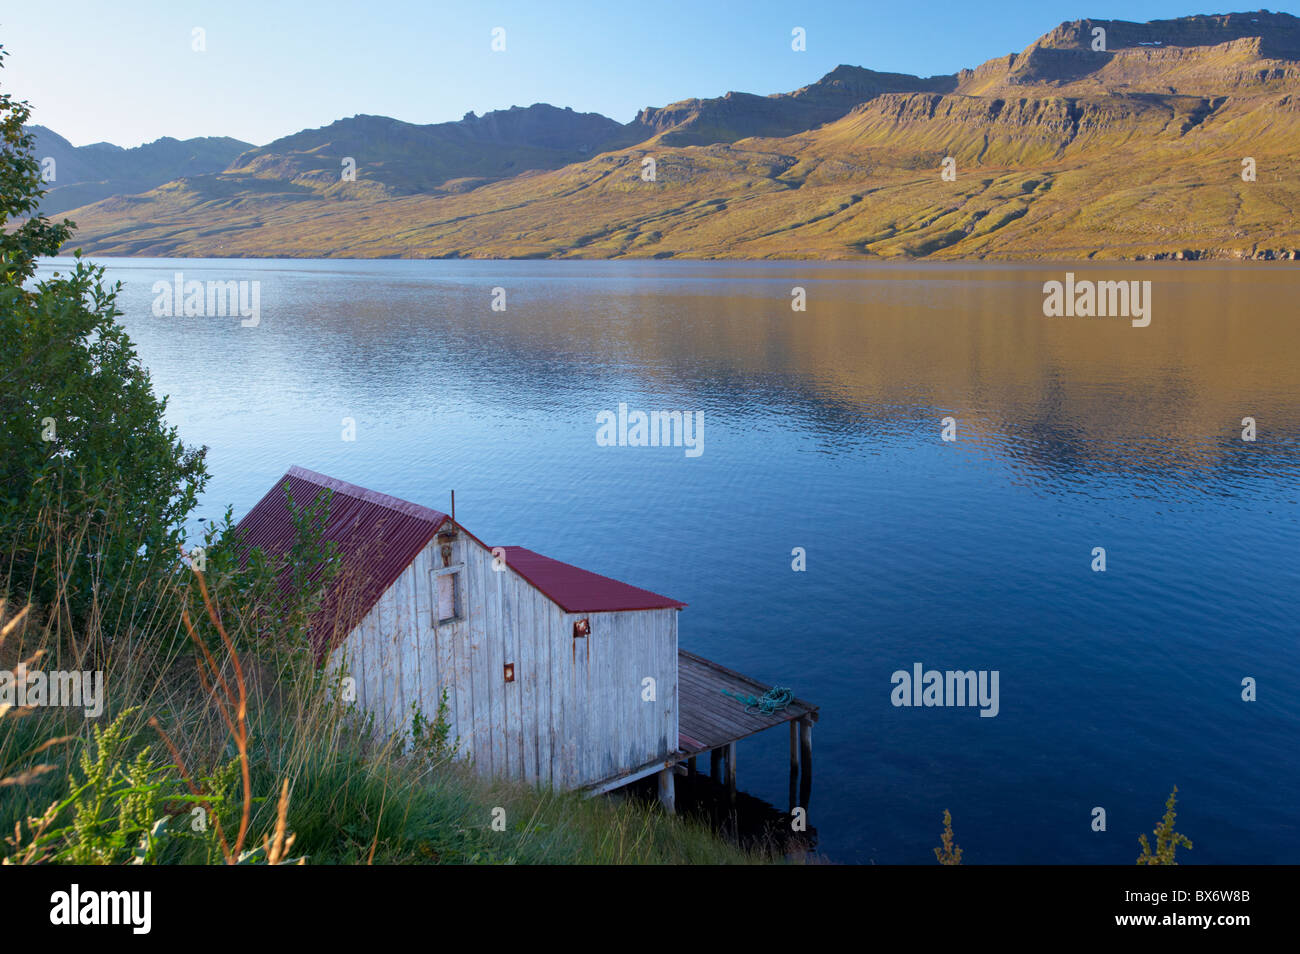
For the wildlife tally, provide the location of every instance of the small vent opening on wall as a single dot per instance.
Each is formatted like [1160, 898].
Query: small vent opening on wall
[581, 627]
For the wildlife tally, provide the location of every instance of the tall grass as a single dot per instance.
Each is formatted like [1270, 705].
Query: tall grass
[263, 747]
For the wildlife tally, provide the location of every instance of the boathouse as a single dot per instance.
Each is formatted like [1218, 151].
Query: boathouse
[554, 675]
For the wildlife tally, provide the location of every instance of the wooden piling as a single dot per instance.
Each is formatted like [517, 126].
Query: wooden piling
[794, 763]
[667, 791]
[805, 758]
[731, 772]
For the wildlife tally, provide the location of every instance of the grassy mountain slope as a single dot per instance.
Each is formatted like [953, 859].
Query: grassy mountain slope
[1061, 151]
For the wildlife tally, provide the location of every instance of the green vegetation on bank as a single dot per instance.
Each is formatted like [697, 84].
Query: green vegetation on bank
[119, 798]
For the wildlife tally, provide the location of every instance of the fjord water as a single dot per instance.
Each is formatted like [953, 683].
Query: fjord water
[822, 431]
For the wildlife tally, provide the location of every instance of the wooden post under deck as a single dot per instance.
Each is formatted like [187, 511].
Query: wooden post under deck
[713, 720]
[805, 757]
[794, 763]
[666, 790]
[731, 772]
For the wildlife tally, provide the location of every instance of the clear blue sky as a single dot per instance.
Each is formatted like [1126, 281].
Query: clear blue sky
[124, 72]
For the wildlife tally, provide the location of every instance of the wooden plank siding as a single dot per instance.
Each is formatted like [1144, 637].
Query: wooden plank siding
[573, 715]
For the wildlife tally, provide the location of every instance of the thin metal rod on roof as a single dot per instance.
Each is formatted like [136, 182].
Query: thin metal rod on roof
[453, 510]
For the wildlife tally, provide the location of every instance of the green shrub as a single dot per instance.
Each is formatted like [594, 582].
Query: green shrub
[948, 853]
[94, 485]
[1167, 840]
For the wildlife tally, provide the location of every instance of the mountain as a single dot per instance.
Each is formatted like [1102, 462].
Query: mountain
[1134, 149]
[1194, 56]
[404, 159]
[744, 115]
[86, 174]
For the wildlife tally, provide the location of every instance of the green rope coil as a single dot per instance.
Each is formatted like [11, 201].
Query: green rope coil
[769, 703]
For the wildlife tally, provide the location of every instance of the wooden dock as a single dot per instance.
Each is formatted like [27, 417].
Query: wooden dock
[711, 722]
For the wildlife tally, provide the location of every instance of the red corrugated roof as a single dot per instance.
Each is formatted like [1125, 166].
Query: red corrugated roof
[377, 538]
[576, 590]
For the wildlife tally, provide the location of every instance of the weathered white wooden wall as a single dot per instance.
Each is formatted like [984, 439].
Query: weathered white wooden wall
[576, 712]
